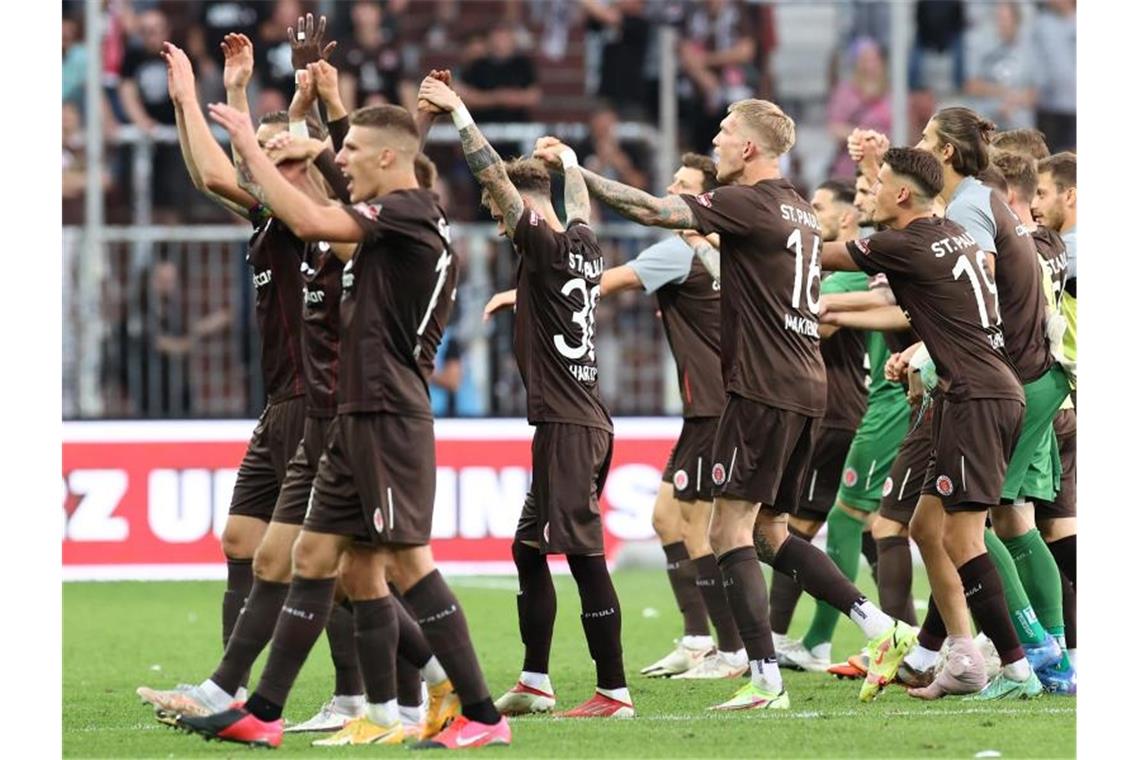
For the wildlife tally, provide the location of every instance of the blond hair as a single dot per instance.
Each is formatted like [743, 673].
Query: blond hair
[775, 128]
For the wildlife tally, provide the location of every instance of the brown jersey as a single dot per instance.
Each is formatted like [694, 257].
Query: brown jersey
[559, 276]
[320, 336]
[939, 278]
[845, 357]
[1022, 310]
[770, 277]
[275, 256]
[1054, 258]
[438, 321]
[389, 291]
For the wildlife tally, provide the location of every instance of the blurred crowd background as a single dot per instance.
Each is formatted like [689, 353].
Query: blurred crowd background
[158, 306]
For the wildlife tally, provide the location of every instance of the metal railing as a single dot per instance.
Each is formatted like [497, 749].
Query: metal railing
[169, 329]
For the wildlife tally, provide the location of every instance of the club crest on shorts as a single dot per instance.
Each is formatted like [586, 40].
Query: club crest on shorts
[944, 485]
[680, 480]
[850, 477]
[888, 486]
[378, 520]
[718, 474]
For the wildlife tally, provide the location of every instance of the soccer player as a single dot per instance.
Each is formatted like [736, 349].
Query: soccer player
[1028, 141]
[372, 498]
[860, 474]
[1054, 206]
[776, 385]
[960, 138]
[937, 273]
[559, 275]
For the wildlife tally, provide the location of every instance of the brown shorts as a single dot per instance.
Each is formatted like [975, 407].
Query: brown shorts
[569, 468]
[826, 470]
[375, 481]
[1065, 505]
[293, 501]
[973, 441]
[691, 460]
[272, 445]
[904, 485]
[762, 454]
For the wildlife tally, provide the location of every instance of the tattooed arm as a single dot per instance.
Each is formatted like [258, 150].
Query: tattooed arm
[705, 251]
[485, 163]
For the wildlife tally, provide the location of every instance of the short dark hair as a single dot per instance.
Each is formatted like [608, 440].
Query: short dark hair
[1019, 170]
[843, 190]
[426, 172]
[992, 177]
[315, 127]
[385, 116]
[1063, 167]
[970, 134]
[919, 166]
[1027, 140]
[528, 175]
[705, 165]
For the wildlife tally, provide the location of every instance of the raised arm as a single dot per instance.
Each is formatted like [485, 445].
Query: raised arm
[639, 206]
[307, 219]
[708, 253]
[209, 167]
[577, 197]
[484, 161]
[236, 73]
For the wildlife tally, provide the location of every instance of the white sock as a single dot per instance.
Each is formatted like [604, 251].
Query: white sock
[780, 640]
[242, 694]
[383, 714]
[822, 651]
[349, 704]
[621, 695]
[735, 659]
[1017, 671]
[433, 672]
[1073, 658]
[216, 697]
[921, 658]
[540, 681]
[766, 675]
[411, 715]
[870, 619]
[696, 642]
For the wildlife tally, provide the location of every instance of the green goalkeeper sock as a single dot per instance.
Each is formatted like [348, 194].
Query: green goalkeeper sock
[1038, 572]
[1029, 629]
[844, 542]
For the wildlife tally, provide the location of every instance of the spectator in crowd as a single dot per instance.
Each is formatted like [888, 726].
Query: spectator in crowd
[940, 26]
[142, 88]
[502, 86]
[1000, 79]
[625, 33]
[273, 58]
[75, 166]
[1056, 45]
[373, 71]
[448, 376]
[218, 18]
[715, 54]
[74, 61]
[860, 101]
[604, 154]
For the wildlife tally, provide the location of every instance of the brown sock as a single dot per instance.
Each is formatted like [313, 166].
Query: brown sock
[537, 606]
[239, 580]
[302, 618]
[784, 596]
[712, 591]
[986, 600]
[896, 571]
[377, 632]
[683, 580]
[871, 552]
[748, 598]
[251, 634]
[1064, 551]
[933, 631]
[601, 618]
[409, 691]
[445, 628]
[816, 573]
[413, 647]
[342, 646]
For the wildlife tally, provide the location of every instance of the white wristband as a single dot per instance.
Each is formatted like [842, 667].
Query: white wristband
[569, 158]
[298, 128]
[461, 117]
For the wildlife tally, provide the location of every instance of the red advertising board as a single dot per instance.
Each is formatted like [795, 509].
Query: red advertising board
[148, 500]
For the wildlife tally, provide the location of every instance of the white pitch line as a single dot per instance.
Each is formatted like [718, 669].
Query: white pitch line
[810, 714]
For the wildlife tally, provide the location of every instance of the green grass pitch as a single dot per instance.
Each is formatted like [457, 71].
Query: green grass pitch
[118, 636]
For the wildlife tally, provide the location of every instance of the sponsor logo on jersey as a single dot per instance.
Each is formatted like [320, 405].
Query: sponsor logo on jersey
[680, 480]
[944, 485]
[863, 246]
[369, 210]
[888, 486]
[378, 520]
[261, 279]
[718, 474]
[850, 477]
[705, 199]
